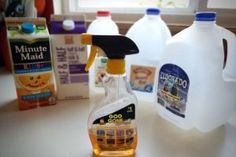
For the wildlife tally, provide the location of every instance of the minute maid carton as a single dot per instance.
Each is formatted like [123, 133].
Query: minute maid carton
[31, 62]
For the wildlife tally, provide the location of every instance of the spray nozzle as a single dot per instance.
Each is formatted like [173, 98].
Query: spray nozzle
[116, 47]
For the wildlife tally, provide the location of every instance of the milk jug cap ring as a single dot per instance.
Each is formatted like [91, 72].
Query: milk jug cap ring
[153, 11]
[205, 16]
[68, 25]
[27, 27]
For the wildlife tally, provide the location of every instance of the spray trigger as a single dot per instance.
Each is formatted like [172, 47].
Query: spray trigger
[87, 40]
[91, 58]
[116, 47]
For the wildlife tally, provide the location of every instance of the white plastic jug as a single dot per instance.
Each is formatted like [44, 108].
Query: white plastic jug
[102, 25]
[150, 33]
[194, 87]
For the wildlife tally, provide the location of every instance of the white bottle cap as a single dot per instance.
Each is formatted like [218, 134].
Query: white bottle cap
[68, 25]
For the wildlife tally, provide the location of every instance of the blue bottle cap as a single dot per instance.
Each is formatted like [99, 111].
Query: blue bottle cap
[27, 27]
[205, 16]
[153, 11]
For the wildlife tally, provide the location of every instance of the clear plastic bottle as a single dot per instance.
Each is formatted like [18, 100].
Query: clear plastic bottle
[192, 89]
[150, 33]
[102, 25]
[111, 124]
[116, 138]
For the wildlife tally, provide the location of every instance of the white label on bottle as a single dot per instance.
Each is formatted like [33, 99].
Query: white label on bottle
[142, 78]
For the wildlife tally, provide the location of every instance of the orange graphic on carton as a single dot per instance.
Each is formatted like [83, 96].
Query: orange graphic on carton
[34, 82]
[35, 90]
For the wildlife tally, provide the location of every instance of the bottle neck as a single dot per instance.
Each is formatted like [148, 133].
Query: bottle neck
[103, 17]
[154, 17]
[116, 86]
[115, 82]
[204, 23]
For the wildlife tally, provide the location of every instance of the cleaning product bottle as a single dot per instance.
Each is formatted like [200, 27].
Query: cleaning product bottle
[192, 88]
[102, 25]
[150, 33]
[111, 124]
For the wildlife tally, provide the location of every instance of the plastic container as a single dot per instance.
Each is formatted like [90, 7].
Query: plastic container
[193, 87]
[102, 25]
[112, 123]
[150, 33]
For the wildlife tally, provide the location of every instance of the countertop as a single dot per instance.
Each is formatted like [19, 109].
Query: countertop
[61, 130]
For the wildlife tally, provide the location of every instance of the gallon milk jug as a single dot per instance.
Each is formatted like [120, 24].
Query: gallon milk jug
[150, 33]
[194, 87]
[102, 25]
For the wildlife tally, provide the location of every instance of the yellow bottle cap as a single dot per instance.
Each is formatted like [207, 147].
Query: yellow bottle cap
[115, 66]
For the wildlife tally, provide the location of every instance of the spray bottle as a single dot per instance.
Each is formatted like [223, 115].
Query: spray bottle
[111, 124]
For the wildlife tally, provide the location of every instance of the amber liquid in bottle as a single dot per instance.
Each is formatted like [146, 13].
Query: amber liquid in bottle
[112, 128]
[107, 147]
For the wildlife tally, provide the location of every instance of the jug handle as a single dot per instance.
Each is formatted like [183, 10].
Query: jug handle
[229, 72]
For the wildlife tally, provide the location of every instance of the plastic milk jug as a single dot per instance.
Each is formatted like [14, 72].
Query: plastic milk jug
[150, 33]
[102, 25]
[69, 56]
[195, 87]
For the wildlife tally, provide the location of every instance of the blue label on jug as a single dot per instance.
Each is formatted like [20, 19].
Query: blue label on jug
[173, 88]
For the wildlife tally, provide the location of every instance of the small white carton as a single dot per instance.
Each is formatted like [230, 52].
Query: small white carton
[69, 56]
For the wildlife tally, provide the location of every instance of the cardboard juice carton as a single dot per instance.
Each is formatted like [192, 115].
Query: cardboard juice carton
[31, 59]
[69, 56]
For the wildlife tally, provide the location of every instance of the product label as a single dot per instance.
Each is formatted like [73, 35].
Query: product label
[33, 72]
[35, 97]
[123, 115]
[100, 70]
[70, 59]
[31, 56]
[142, 78]
[173, 88]
[35, 89]
[116, 130]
